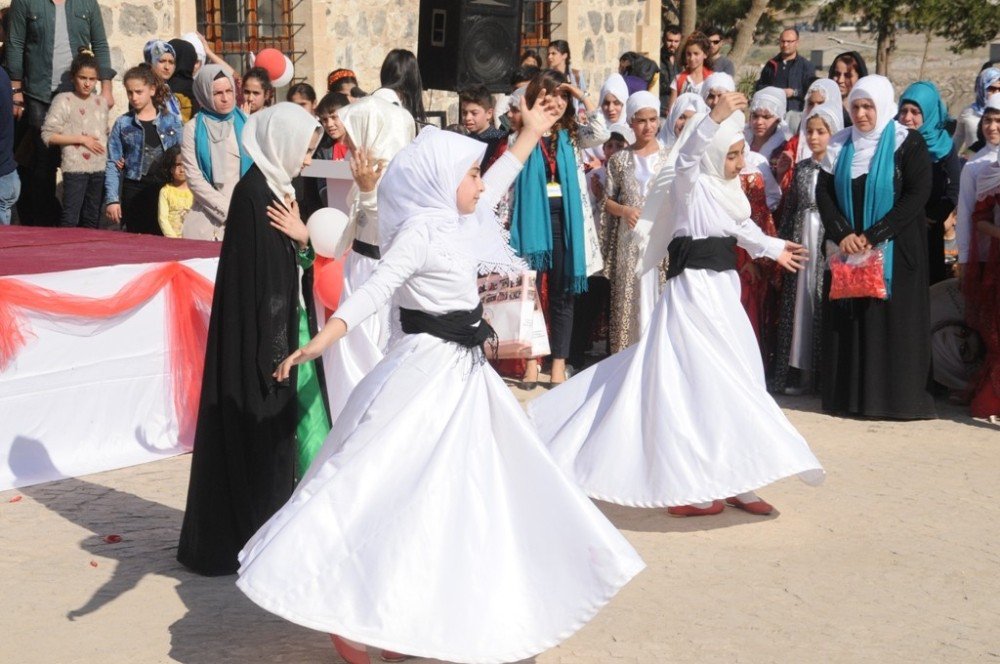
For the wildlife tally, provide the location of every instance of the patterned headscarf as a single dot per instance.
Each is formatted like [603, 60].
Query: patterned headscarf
[156, 49]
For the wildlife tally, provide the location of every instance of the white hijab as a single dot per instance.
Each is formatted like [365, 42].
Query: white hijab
[727, 192]
[879, 90]
[277, 139]
[617, 88]
[657, 216]
[378, 126]
[772, 100]
[641, 100]
[988, 179]
[721, 81]
[830, 105]
[689, 101]
[420, 188]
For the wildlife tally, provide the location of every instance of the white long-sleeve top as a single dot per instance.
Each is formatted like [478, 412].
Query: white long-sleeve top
[420, 277]
[702, 216]
[967, 202]
[364, 216]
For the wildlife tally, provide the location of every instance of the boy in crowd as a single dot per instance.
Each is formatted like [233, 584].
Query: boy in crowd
[475, 109]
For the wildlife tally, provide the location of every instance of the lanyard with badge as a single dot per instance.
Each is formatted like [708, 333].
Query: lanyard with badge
[552, 189]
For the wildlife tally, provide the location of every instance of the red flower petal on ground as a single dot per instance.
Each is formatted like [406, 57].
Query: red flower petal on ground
[93, 563]
[112, 539]
[86, 155]
[15, 499]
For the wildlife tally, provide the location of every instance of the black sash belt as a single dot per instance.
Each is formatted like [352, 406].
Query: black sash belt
[710, 253]
[465, 328]
[367, 250]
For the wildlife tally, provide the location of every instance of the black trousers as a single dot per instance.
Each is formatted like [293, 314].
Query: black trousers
[140, 201]
[40, 205]
[82, 195]
[561, 298]
[589, 309]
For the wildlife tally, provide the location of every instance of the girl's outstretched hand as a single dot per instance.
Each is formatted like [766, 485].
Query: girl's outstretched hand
[300, 356]
[794, 257]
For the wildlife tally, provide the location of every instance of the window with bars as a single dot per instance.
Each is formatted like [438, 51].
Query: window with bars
[235, 27]
[536, 23]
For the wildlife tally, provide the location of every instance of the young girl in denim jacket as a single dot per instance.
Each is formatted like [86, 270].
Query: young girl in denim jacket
[138, 140]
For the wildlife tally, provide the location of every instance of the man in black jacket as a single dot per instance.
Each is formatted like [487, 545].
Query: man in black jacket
[788, 70]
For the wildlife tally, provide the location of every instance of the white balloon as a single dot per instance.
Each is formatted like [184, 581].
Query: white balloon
[286, 76]
[326, 227]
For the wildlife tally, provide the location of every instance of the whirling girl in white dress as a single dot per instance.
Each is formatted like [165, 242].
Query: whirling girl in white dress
[434, 522]
[683, 419]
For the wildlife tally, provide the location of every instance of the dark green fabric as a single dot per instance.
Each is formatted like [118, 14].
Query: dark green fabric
[29, 41]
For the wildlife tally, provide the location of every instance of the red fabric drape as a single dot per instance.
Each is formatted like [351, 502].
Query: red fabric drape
[189, 303]
[981, 288]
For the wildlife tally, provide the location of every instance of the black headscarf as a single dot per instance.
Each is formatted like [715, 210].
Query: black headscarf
[862, 67]
[181, 83]
[862, 72]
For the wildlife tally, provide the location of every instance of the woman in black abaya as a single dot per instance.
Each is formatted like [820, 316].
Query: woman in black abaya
[872, 191]
[244, 463]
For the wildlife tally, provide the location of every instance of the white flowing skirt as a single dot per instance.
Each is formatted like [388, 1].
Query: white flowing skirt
[681, 417]
[349, 360]
[434, 522]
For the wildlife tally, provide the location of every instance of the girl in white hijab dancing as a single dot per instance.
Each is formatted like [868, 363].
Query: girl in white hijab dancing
[434, 522]
[682, 419]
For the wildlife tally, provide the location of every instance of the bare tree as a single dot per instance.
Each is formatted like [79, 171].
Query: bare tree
[745, 30]
[689, 16]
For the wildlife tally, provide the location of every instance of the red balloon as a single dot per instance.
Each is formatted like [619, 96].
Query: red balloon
[273, 61]
[328, 281]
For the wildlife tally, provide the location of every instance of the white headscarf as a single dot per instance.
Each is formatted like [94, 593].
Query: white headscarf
[689, 101]
[659, 206]
[994, 101]
[830, 104]
[616, 87]
[720, 80]
[386, 94]
[378, 126]
[624, 130]
[879, 90]
[277, 139]
[420, 188]
[988, 178]
[727, 192]
[640, 100]
[772, 100]
[832, 114]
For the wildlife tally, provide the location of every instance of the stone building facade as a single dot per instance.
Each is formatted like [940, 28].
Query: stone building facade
[357, 33]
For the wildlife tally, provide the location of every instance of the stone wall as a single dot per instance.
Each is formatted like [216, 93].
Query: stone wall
[357, 35]
[598, 31]
[129, 25]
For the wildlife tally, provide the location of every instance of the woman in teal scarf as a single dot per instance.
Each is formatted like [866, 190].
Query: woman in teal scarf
[548, 212]
[872, 192]
[213, 154]
[921, 108]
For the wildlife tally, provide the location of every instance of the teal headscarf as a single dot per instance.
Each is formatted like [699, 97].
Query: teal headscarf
[925, 95]
[879, 185]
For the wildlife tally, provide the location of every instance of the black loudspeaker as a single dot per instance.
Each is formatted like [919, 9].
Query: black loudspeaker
[468, 42]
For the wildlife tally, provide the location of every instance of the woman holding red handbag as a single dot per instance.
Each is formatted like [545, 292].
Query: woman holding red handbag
[875, 183]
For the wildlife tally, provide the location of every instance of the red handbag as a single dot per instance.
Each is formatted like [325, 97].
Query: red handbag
[858, 275]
